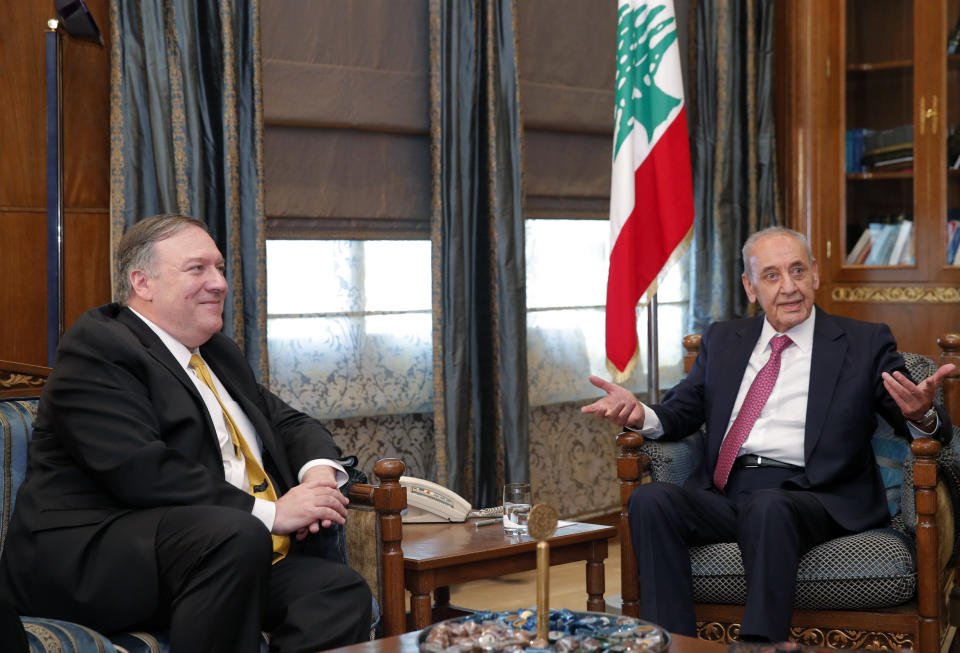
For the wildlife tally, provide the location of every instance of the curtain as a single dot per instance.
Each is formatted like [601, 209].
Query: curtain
[733, 149]
[185, 128]
[480, 378]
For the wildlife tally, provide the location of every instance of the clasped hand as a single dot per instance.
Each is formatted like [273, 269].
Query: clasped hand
[914, 399]
[315, 502]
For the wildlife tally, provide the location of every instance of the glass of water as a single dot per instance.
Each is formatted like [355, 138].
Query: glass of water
[517, 500]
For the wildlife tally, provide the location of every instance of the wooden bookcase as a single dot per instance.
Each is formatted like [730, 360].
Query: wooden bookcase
[846, 65]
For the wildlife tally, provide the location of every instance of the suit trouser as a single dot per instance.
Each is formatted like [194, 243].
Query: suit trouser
[207, 576]
[773, 527]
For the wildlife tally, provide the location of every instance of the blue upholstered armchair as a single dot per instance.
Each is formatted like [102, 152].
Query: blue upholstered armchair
[372, 540]
[885, 588]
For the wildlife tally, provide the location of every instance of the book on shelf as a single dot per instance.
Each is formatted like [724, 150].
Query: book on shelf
[953, 43]
[953, 239]
[875, 139]
[854, 144]
[904, 235]
[883, 237]
[884, 243]
[862, 244]
[909, 254]
[888, 156]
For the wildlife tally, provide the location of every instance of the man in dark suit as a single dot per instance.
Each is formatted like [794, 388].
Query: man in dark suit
[789, 403]
[167, 486]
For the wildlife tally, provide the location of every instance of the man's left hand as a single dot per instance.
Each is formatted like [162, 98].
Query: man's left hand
[915, 399]
[327, 476]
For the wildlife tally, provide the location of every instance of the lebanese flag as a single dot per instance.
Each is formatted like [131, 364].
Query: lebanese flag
[651, 195]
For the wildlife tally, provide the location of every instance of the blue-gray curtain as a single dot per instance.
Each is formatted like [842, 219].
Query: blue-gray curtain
[479, 299]
[733, 149]
[185, 129]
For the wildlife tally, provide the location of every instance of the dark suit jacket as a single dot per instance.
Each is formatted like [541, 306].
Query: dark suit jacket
[122, 429]
[846, 394]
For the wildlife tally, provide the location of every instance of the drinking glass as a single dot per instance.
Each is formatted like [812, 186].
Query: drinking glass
[517, 501]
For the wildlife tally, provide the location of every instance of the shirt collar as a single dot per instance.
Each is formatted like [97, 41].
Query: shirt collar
[801, 335]
[177, 348]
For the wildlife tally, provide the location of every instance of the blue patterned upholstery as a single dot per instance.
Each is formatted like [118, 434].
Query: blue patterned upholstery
[869, 570]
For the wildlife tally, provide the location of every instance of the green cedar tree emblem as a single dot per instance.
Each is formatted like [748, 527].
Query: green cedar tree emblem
[638, 99]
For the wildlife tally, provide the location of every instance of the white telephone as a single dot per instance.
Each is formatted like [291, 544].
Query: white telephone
[429, 502]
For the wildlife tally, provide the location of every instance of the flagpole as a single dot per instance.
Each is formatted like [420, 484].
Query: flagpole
[653, 365]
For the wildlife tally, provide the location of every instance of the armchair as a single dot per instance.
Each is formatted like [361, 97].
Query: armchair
[883, 589]
[372, 536]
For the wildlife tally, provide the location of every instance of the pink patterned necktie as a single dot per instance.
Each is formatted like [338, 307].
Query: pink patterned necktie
[753, 403]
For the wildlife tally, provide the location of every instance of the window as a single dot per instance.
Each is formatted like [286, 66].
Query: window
[349, 328]
[567, 262]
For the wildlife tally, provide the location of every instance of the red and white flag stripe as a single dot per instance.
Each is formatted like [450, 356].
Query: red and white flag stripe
[651, 197]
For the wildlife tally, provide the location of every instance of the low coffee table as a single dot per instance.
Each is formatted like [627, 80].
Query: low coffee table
[436, 556]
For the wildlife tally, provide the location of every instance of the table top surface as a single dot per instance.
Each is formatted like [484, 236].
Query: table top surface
[409, 643]
[453, 543]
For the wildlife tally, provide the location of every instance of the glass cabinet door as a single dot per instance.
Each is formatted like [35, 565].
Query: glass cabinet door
[878, 226]
[951, 232]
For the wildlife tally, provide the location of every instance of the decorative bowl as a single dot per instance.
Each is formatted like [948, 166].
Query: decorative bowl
[515, 631]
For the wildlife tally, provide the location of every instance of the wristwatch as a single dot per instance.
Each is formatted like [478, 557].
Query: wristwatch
[927, 421]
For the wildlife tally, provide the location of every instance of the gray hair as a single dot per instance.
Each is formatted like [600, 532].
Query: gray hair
[135, 250]
[771, 231]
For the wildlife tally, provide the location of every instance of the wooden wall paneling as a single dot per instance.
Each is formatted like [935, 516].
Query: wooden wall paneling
[86, 118]
[22, 117]
[23, 175]
[23, 291]
[87, 261]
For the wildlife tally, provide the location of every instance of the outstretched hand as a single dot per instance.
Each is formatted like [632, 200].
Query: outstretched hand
[619, 406]
[914, 399]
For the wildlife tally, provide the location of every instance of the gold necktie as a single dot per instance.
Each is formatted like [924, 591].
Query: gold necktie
[263, 490]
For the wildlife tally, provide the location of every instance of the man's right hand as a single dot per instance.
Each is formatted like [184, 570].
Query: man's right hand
[619, 406]
[308, 505]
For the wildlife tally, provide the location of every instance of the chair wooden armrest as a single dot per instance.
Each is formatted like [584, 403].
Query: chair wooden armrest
[387, 500]
[631, 470]
[929, 565]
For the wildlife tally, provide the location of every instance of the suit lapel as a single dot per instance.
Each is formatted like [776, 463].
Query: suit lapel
[733, 361]
[156, 348]
[829, 352]
[162, 355]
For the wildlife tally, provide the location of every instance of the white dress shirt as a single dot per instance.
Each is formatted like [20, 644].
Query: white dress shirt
[234, 467]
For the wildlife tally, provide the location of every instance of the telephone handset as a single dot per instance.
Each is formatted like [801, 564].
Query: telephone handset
[430, 502]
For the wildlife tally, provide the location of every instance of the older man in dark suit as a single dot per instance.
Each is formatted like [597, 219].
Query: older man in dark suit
[789, 403]
[167, 486]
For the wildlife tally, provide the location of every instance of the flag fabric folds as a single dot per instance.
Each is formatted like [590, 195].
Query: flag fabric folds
[651, 195]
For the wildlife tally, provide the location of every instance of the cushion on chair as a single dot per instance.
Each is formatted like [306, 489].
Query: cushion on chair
[867, 570]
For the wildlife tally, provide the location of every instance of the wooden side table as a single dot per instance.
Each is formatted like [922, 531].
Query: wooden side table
[436, 556]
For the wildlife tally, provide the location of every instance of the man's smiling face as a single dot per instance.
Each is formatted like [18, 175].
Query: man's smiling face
[782, 278]
[184, 290]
